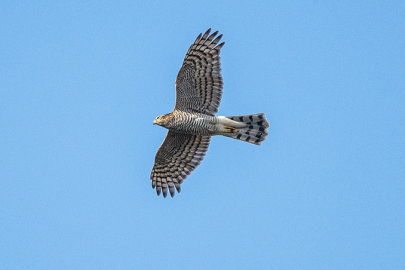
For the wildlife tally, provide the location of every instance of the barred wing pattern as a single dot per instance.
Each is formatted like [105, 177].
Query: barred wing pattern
[199, 82]
[176, 158]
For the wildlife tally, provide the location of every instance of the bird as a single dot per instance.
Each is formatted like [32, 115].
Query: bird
[192, 123]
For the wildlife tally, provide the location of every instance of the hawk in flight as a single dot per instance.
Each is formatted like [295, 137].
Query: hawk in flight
[193, 121]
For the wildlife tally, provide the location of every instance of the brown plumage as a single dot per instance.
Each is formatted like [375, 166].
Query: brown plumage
[192, 123]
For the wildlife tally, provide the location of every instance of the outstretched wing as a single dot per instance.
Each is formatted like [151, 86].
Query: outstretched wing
[176, 158]
[199, 82]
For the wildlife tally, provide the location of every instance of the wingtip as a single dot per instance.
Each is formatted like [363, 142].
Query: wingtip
[219, 46]
[206, 34]
[198, 38]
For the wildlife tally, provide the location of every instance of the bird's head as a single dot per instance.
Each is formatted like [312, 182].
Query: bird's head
[162, 120]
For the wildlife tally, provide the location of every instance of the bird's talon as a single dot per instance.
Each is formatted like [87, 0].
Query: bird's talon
[231, 129]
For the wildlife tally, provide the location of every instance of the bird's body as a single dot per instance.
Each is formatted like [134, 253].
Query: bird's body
[193, 121]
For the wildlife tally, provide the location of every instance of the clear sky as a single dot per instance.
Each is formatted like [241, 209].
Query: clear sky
[82, 81]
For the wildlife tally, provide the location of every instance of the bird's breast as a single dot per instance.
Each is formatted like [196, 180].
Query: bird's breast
[194, 124]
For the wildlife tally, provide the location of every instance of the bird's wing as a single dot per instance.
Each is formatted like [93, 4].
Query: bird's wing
[176, 158]
[199, 82]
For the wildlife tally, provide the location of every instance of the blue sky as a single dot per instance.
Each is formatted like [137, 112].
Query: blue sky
[81, 82]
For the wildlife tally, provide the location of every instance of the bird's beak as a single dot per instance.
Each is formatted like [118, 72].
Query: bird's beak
[154, 122]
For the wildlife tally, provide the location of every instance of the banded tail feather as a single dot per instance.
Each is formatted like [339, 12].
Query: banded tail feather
[255, 131]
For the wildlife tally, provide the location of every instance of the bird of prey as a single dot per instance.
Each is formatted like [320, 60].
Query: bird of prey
[192, 123]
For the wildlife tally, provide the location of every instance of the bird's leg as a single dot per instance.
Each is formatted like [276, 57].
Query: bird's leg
[231, 129]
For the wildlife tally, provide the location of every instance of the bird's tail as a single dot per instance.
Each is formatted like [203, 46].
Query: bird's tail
[255, 130]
